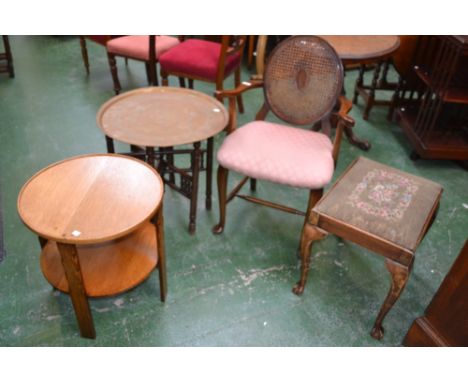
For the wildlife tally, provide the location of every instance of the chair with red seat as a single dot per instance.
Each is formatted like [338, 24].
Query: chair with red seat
[204, 60]
[147, 49]
[302, 83]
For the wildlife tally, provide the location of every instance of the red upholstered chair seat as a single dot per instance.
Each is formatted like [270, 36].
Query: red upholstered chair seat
[99, 39]
[198, 58]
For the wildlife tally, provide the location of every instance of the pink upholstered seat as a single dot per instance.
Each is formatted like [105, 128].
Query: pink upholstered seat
[281, 154]
[137, 46]
[197, 58]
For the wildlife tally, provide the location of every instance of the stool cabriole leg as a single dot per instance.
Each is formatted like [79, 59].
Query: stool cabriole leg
[399, 277]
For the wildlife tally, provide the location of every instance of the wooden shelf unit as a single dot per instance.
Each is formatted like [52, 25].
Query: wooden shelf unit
[432, 99]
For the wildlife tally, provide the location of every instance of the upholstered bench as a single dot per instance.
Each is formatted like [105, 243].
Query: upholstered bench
[380, 208]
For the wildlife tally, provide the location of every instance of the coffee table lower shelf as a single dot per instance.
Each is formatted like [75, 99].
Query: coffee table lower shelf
[108, 268]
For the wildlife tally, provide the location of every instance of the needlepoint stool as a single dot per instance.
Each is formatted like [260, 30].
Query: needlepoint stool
[380, 208]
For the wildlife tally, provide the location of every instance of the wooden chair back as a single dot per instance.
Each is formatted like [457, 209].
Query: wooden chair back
[230, 45]
[303, 79]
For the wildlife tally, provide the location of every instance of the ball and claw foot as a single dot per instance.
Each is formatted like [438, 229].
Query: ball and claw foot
[298, 289]
[217, 229]
[377, 332]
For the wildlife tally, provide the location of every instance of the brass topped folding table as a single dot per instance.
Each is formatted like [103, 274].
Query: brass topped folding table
[159, 118]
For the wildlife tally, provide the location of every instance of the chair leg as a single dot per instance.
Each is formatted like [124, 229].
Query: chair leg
[182, 82]
[222, 178]
[84, 54]
[115, 77]
[237, 82]
[190, 83]
[164, 78]
[148, 74]
[310, 233]
[253, 184]
[151, 74]
[399, 274]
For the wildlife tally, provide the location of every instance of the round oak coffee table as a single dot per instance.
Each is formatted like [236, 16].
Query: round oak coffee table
[161, 118]
[93, 215]
[367, 50]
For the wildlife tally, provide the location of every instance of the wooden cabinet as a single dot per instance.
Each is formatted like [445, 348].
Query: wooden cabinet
[445, 322]
[432, 98]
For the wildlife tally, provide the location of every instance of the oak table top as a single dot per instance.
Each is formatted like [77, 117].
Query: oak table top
[90, 199]
[162, 117]
[358, 49]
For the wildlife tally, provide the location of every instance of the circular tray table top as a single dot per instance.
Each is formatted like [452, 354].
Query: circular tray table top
[363, 48]
[162, 117]
[90, 199]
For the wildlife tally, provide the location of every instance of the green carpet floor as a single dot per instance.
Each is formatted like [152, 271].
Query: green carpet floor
[228, 290]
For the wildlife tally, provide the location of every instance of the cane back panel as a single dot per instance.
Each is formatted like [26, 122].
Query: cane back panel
[302, 79]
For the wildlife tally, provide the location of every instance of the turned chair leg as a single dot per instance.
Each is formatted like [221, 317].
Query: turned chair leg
[84, 54]
[310, 233]
[399, 274]
[222, 178]
[115, 77]
[164, 78]
[253, 184]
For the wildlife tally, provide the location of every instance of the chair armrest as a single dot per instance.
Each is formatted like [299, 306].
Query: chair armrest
[344, 121]
[231, 96]
[345, 107]
[243, 87]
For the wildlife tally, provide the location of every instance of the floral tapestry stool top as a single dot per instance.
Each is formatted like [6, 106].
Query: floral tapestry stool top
[380, 208]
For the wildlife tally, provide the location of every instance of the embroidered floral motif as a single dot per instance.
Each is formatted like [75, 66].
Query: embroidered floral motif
[384, 194]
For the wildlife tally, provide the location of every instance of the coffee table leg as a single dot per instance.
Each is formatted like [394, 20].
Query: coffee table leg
[195, 173]
[209, 173]
[161, 253]
[399, 274]
[71, 265]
